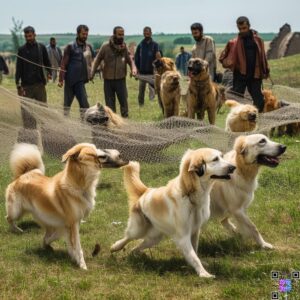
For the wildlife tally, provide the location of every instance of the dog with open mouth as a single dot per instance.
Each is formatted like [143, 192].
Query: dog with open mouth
[60, 202]
[241, 118]
[178, 209]
[203, 95]
[231, 199]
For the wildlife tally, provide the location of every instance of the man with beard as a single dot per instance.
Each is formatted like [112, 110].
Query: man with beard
[245, 56]
[147, 51]
[55, 56]
[32, 56]
[204, 48]
[76, 70]
[115, 57]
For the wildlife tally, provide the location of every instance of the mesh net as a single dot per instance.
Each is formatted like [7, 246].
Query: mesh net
[152, 142]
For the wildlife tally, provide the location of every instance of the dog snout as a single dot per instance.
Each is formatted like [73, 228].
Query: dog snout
[252, 116]
[231, 169]
[282, 148]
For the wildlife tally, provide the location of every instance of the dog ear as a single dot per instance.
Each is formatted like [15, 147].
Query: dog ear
[240, 145]
[198, 169]
[73, 153]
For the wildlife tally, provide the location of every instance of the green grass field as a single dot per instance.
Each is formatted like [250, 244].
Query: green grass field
[242, 270]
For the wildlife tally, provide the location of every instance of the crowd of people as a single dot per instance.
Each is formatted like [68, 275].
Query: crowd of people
[78, 64]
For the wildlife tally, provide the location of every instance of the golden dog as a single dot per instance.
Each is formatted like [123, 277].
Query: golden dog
[57, 203]
[170, 93]
[103, 115]
[242, 117]
[161, 65]
[178, 209]
[203, 94]
[231, 199]
[271, 104]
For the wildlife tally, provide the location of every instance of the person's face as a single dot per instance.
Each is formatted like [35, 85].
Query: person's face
[53, 43]
[243, 28]
[197, 34]
[181, 50]
[83, 35]
[29, 37]
[147, 33]
[119, 34]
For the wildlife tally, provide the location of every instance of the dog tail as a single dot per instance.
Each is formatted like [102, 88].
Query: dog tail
[134, 186]
[231, 103]
[24, 158]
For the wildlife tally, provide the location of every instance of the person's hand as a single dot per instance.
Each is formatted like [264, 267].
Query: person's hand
[60, 84]
[49, 76]
[133, 73]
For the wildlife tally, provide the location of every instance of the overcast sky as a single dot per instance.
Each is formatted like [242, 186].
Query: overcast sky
[168, 16]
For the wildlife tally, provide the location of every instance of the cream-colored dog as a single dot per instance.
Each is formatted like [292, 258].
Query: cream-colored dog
[57, 203]
[178, 209]
[242, 117]
[231, 199]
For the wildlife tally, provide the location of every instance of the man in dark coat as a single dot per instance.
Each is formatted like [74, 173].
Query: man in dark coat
[76, 70]
[31, 60]
[245, 56]
[146, 52]
[3, 68]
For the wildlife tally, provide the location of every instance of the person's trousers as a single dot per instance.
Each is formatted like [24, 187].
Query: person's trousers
[77, 90]
[254, 86]
[36, 92]
[54, 75]
[113, 87]
[142, 88]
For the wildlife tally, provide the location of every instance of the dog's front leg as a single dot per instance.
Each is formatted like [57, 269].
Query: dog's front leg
[185, 245]
[74, 246]
[246, 227]
[195, 240]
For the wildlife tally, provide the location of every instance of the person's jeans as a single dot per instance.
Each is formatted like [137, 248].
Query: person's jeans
[254, 87]
[78, 91]
[142, 88]
[113, 87]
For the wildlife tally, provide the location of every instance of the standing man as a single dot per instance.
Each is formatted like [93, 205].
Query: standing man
[204, 48]
[245, 56]
[147, 51]
[115, 57]
[55, 57]
[182, 61]
[76, 71]
[32, 56]
[3, 68]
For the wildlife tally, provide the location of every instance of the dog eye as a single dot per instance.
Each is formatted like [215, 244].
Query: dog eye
[262, 141]
[216, 158]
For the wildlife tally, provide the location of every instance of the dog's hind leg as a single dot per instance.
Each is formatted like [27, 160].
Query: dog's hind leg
[51, 235]
[211, 116]
[185, 245]
[14, 211]
[74, 246]
[152, 238]
[229, 226]
[137, 228]
[247, 228]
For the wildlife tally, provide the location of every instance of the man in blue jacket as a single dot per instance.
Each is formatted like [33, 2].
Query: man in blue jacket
[182, 61]
[147, 51]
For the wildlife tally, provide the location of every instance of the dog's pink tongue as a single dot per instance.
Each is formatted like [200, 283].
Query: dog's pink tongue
[273, 159]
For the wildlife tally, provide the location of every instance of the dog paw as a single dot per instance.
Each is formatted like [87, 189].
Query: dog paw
[267, 246]
[83, 266]
[206, 275]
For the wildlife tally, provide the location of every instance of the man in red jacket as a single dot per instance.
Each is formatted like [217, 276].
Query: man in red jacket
[245, 56]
